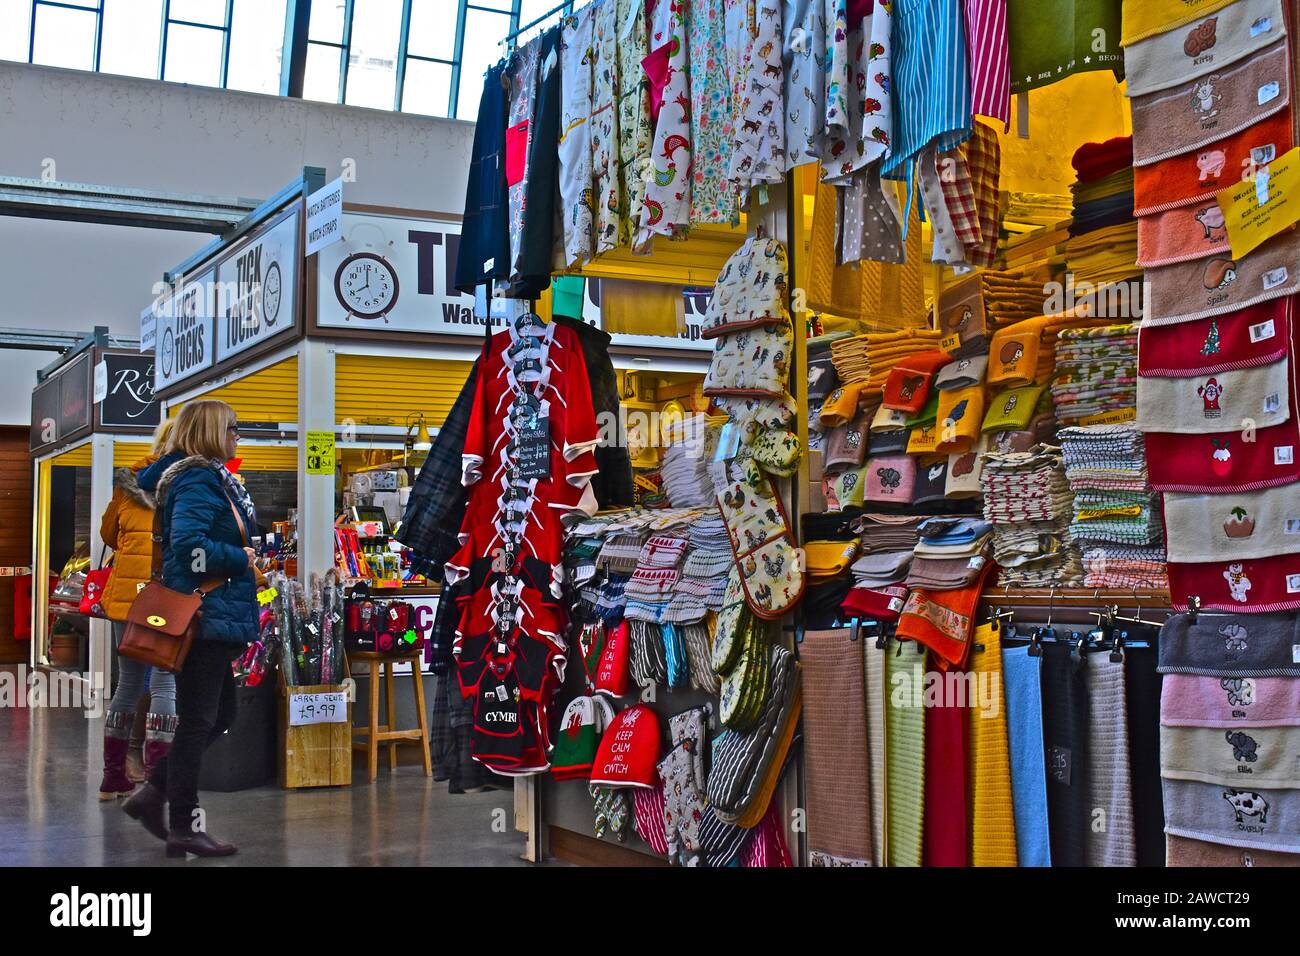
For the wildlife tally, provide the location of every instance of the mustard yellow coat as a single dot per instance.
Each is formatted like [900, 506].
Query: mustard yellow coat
[127, 528]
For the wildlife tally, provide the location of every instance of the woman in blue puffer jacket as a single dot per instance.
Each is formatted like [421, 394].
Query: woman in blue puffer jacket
[207, 520]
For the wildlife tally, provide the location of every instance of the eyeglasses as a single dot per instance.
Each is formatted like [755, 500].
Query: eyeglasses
[233, 428]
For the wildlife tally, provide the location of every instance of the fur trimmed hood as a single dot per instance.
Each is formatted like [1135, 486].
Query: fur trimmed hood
[125, 481]
[174, 471]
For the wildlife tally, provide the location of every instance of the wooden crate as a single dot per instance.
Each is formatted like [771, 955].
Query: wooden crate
[313, 755]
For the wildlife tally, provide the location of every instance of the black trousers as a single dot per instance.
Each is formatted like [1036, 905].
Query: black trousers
[205, 706]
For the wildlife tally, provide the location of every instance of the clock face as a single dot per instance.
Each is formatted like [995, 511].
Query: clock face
[366, 285]
[271, 294]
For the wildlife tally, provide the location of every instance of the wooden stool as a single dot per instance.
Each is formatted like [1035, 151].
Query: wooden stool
[369, 739]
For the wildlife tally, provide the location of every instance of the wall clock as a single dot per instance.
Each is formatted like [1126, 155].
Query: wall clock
[366, 286]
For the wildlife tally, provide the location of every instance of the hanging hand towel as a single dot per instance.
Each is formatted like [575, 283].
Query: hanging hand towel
[1189, 700]
[877, 693]
[1110, 773]
[575, 137]
[1213, 43]
[1186, 853]
[946, 838]
[1254, 524]
[1205, 110]
[1250, 398]
[1252, 587]
[1225, 462]
[1232, 645]
[1215, 286]
[944, 620]
[1066, 717]
[993, 824]
[837, 784]
[1182, 234]
[1148, 18]
[667, 206]
[1053, 39]
[1236, 816]
[1026, 749]
[1197, 176]
[1142, 689]
[904, 754]
[1254, 336]
[1237, 757]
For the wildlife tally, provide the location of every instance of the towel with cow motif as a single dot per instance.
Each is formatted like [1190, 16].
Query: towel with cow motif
[1238, 815]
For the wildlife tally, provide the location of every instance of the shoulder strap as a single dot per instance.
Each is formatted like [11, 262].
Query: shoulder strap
[156, 558]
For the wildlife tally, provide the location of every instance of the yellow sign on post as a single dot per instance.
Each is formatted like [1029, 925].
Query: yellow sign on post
[320, 453]
[1258, 209]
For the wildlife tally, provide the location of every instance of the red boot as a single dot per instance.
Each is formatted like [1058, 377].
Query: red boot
[158, 733]
[117, 729]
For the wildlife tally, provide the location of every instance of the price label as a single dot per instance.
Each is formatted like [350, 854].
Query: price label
[267, 595]
[950, 343]
[327, 708]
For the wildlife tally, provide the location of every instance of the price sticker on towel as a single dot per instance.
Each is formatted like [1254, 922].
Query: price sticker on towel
[1259, 208]
[950, 343]
[326, 708]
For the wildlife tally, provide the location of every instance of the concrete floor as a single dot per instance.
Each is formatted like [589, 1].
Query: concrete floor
[50, 814]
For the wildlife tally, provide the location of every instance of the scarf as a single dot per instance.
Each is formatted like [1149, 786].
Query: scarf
[1174, 57]
[1200, 174]
[1231, 645]
[1215, 286]
[1142, 689]
[1184, 852]
[943, 620]
[1254, 587]
[1182, 234]
[1224, 463]
[877, 693]
[237, 494]
[988, 779]
[1236, 816]
[904, 754]
[1066, 737]
[1253, 524]
[1209, 405]
[1251, 337]
[1193, 701]
[837, 781]
[1109, 765]
[1204, 110]
[1147, 18]
[1025, 746]
[946, 838]
[1237, 757]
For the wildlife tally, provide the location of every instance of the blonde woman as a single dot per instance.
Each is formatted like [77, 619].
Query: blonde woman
[207, 520]
[127, 528]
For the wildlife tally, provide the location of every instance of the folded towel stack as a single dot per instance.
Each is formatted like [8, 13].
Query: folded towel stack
[869, 358]
[1096, 375]
[1028, 502]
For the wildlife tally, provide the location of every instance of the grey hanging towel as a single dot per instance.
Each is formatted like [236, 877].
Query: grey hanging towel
[1231, 645]
[1111, 838]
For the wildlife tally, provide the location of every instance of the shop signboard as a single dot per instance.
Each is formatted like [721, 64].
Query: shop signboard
[397, 273]
[186, 341]
[257, 287]
[324, 216]
[61, 405]
[129, 402]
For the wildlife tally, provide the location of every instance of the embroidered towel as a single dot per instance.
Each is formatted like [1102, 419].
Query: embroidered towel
[837, 785]
[943, 620]
[988, 780]
[1026, 750]
[908, 385]
[1065, 742]
[1147, 18]
[1205, 110]
[1232, 645]
[1224, 462]
[1053, 39]
[962, 373]
[947, 823]
[1248, 338]
[904, 754]
[1142, 688]
[1214, 286]
[1211, 404]
[1109, 765]
[1237, 757]
[1182, 851]
[961, 310]
[960, 414]
[1196, 176]
[876, 692]
[1255, 586]
[1190, 700]
[1253, 524]
[1182, 234]
[1212, 43]
[1012, 409]
[1236, 816]
[964, 472]
[890, 479]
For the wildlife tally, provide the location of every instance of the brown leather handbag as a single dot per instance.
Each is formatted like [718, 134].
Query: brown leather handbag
[162, 623]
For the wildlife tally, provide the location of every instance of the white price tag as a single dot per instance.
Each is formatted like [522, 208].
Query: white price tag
[1292, 583]
[327, 708]
[1260, 26]
[1262, 330]
[1269, 92]
[1283, 454]
[1274, 278]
